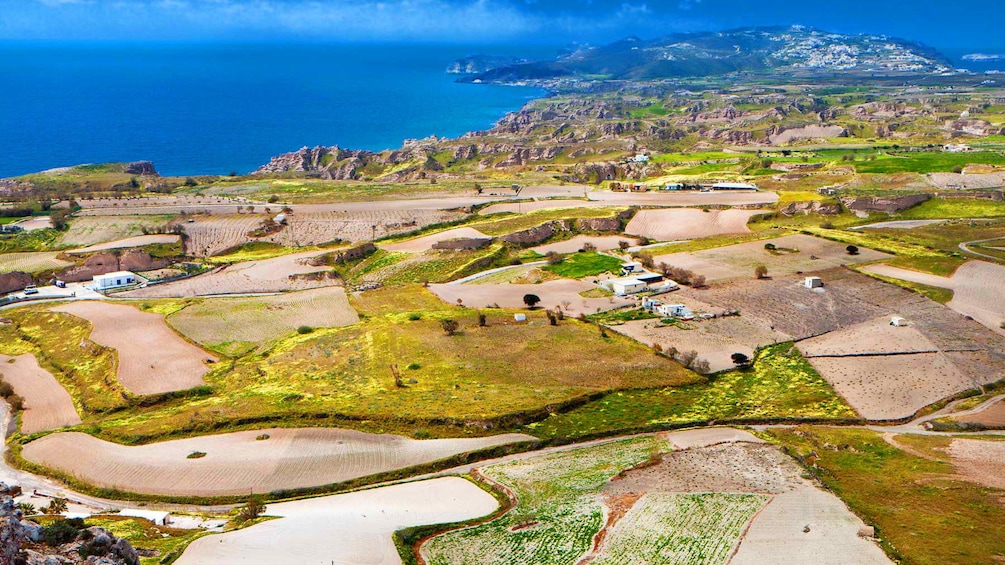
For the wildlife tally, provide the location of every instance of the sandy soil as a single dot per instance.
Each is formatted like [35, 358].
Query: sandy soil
[978, 288]
[237, 463]
[86, 231]
[551, 293]
[982, 462]
[705, 437]
[956, 181]
[138, 241]
[738, 261]
[47, 404]
[152, 359]
[347, 529]
[900, 224]
[669, 198]
[892, 386]
[425, 243]
[602, 243]
[259, 319]
[525, 207]
[673, 225]
[31, 262]
[715, 340]
[807, 132]
[35, 223]
[268, 275]
[777, 534]
[993, 417]
[875, 337]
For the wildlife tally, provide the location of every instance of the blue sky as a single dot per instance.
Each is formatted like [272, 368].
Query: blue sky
[956, 24]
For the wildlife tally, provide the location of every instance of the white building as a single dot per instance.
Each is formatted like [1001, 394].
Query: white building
[640, 158]
[158, 518]
[814, 282]
[678, 311]
[951, 148]
[626, 286]
[733, 186]
[117, 279]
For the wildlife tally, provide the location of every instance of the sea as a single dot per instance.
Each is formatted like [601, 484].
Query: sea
[198, 108]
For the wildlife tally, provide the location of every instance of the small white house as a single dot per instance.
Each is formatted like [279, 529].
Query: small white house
[520, 317]
[280, 218]
[898, 322]
[158, 518]
[954, 148]
[630, 268]
[117, 279]
[678, 311]
[640, 158]
[733, 186]
[814, 282]
[672, 186]
[626, 286]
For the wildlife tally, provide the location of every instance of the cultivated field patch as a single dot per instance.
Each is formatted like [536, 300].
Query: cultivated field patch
[574, 245]
[234, 326]
[553, 294]
[238, 463]
[47, 405]
[982, 462]
[425, 243]
[348, 528]
[793, 254]
[31, 262]
[874, 337]
[136, 241]
[993, 417]
[279, 274]
[673, 225]
[91, 230]
[152, 359]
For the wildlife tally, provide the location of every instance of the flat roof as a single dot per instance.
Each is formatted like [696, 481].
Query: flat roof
[626, 281]
[116, 274]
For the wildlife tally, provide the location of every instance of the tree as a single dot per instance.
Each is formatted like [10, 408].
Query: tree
[482, 319]
[56, 506]
[273, 199]
[761, 272]
[624, 245]
[553, 258]
[770, 247]
[552, 318]
[531, 300]
[27, 508]
[251, 510]
[740, 359]
[449, 326]
[699, 281]
[852, 250]
[59, 218]
[589, 246]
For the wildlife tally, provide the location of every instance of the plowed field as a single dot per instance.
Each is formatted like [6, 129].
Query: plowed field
[672, 225]
[31, 262]
[47, 405]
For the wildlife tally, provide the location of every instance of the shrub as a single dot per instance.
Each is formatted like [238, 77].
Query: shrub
[531, 300]
[27, 508]
[852, 250]
[251, 510]
[413, 366]
[554, 258]
[262, 437]
[482, 320]
[740, 359]
[552, 318]
[624, 245]
[304, 330]
[699, 282]
[760, 272]
[589, 247]
[56, 506]
[449, 326]
[196, 455]
[770, 246]
[273, 199]
[62, 531]
[414, 317]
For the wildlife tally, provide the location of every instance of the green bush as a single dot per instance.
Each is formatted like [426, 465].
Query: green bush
[62, 531]
[196, 455]
[304, 330]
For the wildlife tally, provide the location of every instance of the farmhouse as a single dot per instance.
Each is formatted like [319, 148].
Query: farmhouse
[814, 282]
[679, 311]
[625, 286]
[733, 186]
[951, 148]
[117, 279]
[630, 268]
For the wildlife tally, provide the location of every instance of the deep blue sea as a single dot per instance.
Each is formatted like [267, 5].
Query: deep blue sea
[217, 108]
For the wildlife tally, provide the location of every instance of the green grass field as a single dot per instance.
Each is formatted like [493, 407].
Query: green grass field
[940, 208]
[923, 514]
[586, 264]
[780, 385]
[927, 162]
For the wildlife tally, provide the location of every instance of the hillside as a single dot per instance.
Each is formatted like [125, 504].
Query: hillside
[761, 49]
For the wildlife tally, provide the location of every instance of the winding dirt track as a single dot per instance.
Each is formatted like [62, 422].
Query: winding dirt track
[47, 404]
[152, 359]
[237, 463]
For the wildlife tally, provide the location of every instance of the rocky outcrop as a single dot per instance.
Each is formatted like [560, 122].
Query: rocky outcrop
[145, 168]
[463, 243]
[11, 282]
[604, 224]
[884, 204]
[806, 208]
[101, 263]
[539, 234]
[345, 256]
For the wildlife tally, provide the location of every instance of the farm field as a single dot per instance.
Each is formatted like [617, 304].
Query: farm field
[738, 261]
[715, 340]
[234, 326]
[552, 294]
[279, 274]
[873, 337]
[348, 528]
[978, 288]
[601, 242]
[904, 485]
[35, 223]
[238, 462]
[982, 462]
[519, 274]
[993, 417]
[31, 262]
[151, 358]
[136, 241]
[680, 199]
[673, 225]
[47, 405]
[85, 231]
[425, 243]
[527, 207]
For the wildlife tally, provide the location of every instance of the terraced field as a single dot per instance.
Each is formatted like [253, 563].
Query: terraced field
[47, 405]
[673, 225]
[234, 326]
[136, 241]
[238, 463]
[152, 359]
[553, 294]
[31, 262]
[92, 230]
[425, 243]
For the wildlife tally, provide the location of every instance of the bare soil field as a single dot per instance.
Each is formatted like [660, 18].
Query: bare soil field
[88, 230]
[210, 235]
[520, 274]
[525, 207]
[47, 405]
[738, 261]
[347, 529]
[137, 241]
[978, 289]
[152, 359]
[957, 181]
[673, 225]
[601, 242]
[279, 274]
[889, 387]
[899, 225]
[35, 223]
[237, 463]
[425, 243]
[874, 337]
[31, 262]
[993, 417]
[687, 198]
[982, 462]
[706, 437]
[715, 340]
[551, 293]
[235, 325]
